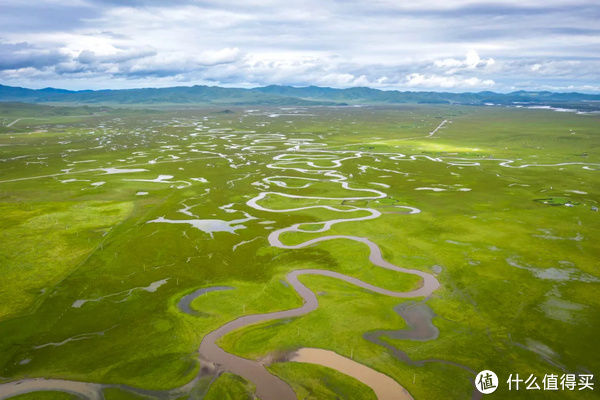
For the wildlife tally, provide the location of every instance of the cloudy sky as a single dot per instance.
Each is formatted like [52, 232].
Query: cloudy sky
[450, 45]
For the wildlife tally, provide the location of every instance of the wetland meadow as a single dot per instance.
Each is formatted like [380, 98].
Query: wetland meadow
[301, 252]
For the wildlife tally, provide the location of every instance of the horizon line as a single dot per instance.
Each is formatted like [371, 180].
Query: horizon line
[304, 87]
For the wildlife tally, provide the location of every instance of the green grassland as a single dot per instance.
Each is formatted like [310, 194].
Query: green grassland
[316, 382]
[229, 386]
[516, 255]
[43, 395]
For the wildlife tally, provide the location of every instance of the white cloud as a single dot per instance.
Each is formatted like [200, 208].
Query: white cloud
[90, 57]
[446, 82]
[471, 61]
[343, 80]
[455, 44]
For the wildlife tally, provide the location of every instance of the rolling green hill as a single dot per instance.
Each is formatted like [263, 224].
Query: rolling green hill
[291, 96]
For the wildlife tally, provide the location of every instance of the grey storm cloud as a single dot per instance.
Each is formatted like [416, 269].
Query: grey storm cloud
[455, 45]
[43, 16]
[89, 57]
[515, 10]
[24, 55]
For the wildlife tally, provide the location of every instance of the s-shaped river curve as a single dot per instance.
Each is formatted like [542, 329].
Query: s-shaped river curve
[270, 387]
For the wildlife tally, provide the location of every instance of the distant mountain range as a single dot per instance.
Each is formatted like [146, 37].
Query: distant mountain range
[275, 95]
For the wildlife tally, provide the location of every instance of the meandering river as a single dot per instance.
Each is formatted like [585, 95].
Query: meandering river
[269, 386]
